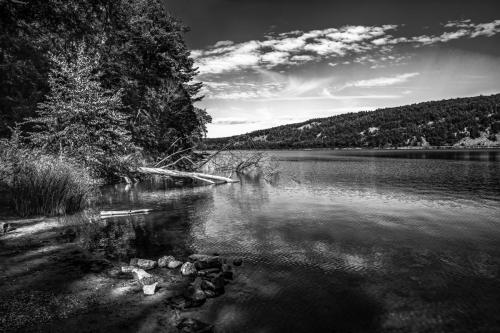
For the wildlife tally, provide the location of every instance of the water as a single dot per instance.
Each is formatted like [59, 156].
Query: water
[352, 241]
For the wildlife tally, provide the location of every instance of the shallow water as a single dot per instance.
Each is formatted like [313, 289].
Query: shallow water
[340, 241]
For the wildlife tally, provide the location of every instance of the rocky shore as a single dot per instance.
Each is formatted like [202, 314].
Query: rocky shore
[49, 282]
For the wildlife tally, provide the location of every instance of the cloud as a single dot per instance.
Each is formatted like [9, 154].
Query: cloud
[286, 49]
[382, 81]
[298, 47]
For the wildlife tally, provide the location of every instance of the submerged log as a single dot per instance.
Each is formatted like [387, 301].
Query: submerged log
[114, 213]
[209, 179]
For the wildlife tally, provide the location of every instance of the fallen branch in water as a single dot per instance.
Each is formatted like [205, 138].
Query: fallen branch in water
[114, 213]
[209, 179]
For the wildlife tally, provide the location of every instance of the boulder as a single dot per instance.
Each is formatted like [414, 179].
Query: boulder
[127, 269]
[146, 264]
[133, 261]
[174, 264]
[197, 283]
[148, 280]
[140, 274]
[188, 268]
[165, 260]
[149, 289]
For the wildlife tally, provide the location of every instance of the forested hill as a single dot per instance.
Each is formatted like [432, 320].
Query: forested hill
[473, 121]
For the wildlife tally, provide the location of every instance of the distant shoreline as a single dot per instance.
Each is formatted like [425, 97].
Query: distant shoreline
[430, 148]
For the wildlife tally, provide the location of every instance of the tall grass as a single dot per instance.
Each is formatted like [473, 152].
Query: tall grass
[40, 184]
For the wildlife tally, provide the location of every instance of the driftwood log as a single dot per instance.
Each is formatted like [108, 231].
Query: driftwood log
[116, 213]
[206, 178]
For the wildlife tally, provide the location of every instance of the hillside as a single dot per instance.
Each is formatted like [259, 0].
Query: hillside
[472, 121]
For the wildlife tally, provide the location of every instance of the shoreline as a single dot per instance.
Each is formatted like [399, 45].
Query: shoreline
[52, 282]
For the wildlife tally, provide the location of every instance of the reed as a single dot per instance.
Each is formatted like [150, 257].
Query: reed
[40, 184]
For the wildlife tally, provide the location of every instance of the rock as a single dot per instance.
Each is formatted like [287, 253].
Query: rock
[174, 264]
[140, 274]
[148, 280]
[188, 268]
[237, 262]
[127, 269]
[190, 325]
[197, 283]
[204, 261]
[149, 289]
[165, 260]
[133, 261]
[146, 264]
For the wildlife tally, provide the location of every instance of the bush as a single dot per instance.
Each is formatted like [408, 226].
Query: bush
[39, 184]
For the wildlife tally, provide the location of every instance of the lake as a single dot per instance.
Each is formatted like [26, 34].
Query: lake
[339, 241]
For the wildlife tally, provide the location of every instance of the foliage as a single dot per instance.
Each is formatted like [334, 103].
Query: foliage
[28, 31]
[439, 123]
[80, 119]
[40, 184]
[143, 55]
[147, 57]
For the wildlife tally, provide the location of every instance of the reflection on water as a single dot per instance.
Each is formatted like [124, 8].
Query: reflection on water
[342, 241]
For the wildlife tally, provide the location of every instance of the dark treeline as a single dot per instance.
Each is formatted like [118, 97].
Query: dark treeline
[437, 123]
[136, 48]
[89, 90]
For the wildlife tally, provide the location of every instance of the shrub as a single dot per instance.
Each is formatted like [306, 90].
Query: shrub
[40, 184]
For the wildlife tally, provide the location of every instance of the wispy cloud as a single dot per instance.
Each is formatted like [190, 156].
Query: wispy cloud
[298, 47]
[382, 81]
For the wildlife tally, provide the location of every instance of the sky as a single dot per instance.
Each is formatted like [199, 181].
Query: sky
[275, 62]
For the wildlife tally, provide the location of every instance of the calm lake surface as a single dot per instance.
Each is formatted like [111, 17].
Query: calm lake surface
[340, 241]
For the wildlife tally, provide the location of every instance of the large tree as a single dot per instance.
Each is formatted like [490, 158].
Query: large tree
[80, 119]
[147, 57]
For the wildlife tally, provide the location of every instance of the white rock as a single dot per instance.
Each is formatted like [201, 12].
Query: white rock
[140, 274]
[146, 264]
[127, 269]
[174, 264]
[149, 289]
[165, 261]
[188, 268]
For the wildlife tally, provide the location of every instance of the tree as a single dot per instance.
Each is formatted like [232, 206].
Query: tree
[147, 57]
[80, 119]
[28, 31]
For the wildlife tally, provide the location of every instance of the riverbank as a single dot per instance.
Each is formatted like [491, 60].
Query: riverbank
[50, 282]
